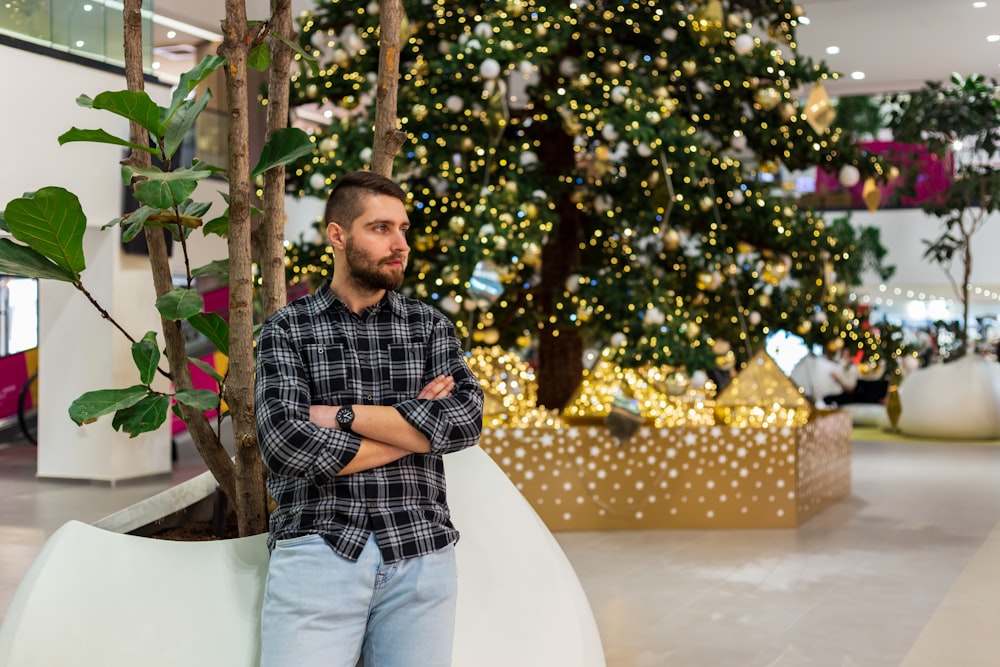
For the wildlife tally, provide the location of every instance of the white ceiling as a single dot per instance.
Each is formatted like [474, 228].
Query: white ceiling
[899, 44]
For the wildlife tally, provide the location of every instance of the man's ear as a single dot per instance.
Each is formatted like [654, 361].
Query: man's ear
[336, 235]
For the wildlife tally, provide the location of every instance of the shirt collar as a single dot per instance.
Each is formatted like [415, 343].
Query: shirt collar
[326, 299]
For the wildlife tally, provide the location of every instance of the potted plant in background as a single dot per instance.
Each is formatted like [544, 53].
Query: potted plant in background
[960, 121]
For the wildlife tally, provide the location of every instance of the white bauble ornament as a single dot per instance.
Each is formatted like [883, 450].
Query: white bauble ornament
[699, 379]
[737, 199]
[317, 181]
[609, 132]
[449, 305]
[328, 145]
[738, 142]
[454, 103]
[528, 158]
[483, 30]
[470, 304]
[754, 318]
[743, 44]
[568, 67]
[849, 176]
[618, 339]
[619, 94]
[644, 150]
[573, 283]
[340, 57]
[487, 230]
[602, 204]
[490, 69]
[655, 316]
[669, 34]
[365, 155]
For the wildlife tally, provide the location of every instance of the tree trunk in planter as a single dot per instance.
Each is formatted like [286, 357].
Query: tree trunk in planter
[250, 496]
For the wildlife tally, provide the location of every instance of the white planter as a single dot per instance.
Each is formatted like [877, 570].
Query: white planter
[97, 597]
[955, 401]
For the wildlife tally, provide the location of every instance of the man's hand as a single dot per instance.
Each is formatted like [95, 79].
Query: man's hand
[439, 387]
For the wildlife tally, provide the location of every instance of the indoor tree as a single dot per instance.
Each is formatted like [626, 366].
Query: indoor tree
[959, 122]
[595, 173]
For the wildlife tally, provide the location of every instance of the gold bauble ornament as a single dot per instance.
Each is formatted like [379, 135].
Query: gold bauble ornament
[707, 24]
[530, 210]
[705, 280]
[524, 340]
[467, 144]
[420, 111]
[532, 255]
[671, 239]
[705, 204]
[804, 327]
[515, 7]
[767, 97]
[871, 194]
[692, 330]
[423, 242]
[819, 111]
[764, 301]
[689, 67]
[456, 224]
[774, 272]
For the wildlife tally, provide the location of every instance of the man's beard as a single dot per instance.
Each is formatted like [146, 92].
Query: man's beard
[370, 274]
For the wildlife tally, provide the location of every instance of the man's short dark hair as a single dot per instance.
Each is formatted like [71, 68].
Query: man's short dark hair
[346, 200]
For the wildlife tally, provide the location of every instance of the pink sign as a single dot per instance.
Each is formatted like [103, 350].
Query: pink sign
[933, 175]
[13, 375]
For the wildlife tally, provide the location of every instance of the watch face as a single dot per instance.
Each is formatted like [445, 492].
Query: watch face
[345, 417]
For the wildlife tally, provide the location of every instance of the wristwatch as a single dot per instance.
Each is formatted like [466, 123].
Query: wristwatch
[345, 418]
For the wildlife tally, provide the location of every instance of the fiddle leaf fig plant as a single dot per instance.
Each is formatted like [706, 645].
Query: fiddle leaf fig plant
[50, 224]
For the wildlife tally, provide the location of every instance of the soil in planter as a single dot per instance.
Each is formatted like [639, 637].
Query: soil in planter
[199, 531]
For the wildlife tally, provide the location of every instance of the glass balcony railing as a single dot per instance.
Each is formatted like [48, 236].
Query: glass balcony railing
[89, 28]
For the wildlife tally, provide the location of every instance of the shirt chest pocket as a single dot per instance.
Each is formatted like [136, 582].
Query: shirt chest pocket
[404, 369]
[328, 370]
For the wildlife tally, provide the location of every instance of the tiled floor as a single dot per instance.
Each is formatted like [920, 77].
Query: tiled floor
[904, 572]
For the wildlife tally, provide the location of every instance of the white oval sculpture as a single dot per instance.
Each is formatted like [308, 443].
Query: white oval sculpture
[954, 401]
[96, 597]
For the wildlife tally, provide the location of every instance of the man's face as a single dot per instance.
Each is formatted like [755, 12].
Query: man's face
[375, 247]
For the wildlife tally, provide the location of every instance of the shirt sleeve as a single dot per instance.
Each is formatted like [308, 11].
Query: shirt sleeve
[290, 444]
[456, 421]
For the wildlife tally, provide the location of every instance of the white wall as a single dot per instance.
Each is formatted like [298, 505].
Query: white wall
[903, 232]
[78, 350]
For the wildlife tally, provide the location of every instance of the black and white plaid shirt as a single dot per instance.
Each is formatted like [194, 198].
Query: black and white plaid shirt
[315, 351]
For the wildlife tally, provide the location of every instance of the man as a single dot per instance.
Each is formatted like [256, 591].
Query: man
[359, 393]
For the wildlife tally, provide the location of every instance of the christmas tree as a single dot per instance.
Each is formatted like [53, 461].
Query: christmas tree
[597, 174]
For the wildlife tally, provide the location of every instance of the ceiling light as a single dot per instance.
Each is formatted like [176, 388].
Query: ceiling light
[80, 43]
[171, 34]
[978, 5]
[857, 76]
[156, 64]
[993, 38]
[833, 50]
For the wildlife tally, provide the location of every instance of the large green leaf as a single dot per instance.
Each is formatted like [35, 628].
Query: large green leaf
[180, 304]
[219, 267]
[286, 145]
[19, 260]
[146, 355]
[99, 137]
[207, 369]
[52, 222]
[214, 328]
[135, 106]
[95, 404]
[181, 122]
[163, 190]
[259, 57]
[218, 226]
[189, 80]
[200, 399]
[146, 415]
[3, 223]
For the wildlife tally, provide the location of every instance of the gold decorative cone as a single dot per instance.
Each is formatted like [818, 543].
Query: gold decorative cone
[819, 112]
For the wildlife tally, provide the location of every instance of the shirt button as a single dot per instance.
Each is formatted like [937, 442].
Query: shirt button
[368, 397]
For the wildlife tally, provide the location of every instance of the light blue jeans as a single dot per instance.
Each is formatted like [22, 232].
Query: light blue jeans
[322, 609]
